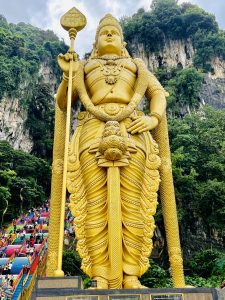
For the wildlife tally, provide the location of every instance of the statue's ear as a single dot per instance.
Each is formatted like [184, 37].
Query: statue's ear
[94, 52]
[124, 50]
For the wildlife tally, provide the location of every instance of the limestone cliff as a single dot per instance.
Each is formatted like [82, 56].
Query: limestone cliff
[13, 114]
[180, 54]
[29, 74]
[46, 72]
[12, 129]
[175, 53]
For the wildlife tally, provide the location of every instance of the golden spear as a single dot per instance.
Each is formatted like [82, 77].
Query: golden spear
[72, 21]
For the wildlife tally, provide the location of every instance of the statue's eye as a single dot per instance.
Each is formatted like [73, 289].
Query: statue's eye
[115, 32]
[104, 32]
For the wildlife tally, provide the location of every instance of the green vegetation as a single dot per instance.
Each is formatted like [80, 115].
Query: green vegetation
[156, 276]
[25, 49]
[197, 147]
[71, 266]
[71, 263]
[24, 181]
[206, 269]
[40, 121]
[169, 20]
[183, 87]
[22, 49]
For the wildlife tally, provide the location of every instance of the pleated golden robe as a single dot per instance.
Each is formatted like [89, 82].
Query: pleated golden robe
[87, 185]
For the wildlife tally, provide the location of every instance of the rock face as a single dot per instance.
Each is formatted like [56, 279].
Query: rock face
[180, 53]
[203, 239]
[48, 76]
[13, 116]
[175, 53]
[218, 65]
[213, 92]
[12, 129]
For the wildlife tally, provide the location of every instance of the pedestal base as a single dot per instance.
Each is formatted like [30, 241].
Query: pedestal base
[70, 288]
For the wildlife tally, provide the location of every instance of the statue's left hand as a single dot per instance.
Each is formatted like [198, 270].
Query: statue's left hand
[142, 123]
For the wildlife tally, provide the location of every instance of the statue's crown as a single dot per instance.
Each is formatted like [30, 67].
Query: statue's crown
[108, 20]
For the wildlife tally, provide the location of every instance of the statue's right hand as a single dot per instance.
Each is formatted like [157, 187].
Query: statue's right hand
[64, 62]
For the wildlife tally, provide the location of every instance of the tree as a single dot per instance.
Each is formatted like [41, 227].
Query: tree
[24, 180]
[4, 200]
[199, 168]
[195, 18]
[40, 121]
[184, 89]
[156, 4]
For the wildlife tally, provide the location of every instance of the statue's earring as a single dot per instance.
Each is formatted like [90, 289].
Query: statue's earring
[95, 50]
[124, 49]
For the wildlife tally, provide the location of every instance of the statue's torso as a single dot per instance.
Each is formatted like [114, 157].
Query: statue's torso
[110, 81]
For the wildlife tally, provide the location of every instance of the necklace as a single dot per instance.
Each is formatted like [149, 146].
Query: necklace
[110, 57]
[111, 70]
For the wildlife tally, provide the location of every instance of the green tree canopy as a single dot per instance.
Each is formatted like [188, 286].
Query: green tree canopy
[24, 180]
[197, 146]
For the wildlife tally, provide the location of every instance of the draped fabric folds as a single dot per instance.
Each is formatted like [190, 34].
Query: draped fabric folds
[87, 185]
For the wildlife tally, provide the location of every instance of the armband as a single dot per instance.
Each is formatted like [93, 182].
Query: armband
[156, 115]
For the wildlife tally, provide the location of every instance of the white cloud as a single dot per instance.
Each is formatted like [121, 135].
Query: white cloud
[93, 10]
[47, 15]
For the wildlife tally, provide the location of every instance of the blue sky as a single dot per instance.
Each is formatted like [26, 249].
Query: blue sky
[46, 14]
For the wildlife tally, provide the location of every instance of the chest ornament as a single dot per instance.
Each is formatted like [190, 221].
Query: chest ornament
[111, 71]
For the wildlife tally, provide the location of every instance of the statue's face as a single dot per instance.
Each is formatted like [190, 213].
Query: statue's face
[109, 41]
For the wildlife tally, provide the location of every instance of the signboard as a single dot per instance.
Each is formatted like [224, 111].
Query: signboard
[82, 297]
[128, 297]
[124, 297]
[167, 297]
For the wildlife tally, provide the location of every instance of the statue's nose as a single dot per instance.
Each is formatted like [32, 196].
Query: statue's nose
[109, 34]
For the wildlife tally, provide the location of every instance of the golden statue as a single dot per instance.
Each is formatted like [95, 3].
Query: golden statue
[113, 164]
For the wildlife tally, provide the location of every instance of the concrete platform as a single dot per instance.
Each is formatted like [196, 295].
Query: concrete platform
[70, 288]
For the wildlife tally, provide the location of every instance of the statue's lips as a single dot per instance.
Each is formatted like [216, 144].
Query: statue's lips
[109, 40]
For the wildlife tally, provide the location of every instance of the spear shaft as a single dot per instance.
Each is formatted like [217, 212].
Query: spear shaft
[59, 271]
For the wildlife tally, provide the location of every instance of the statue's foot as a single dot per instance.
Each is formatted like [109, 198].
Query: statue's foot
[101, 283]
[132, 282]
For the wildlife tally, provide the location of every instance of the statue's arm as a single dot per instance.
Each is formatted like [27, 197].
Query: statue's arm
[62, 94]
[156, 96]
[64, 63]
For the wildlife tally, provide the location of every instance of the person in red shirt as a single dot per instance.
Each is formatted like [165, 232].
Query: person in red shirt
[32, 242]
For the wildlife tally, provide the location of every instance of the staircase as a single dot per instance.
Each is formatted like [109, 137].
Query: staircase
[18, 289]
[16, 294]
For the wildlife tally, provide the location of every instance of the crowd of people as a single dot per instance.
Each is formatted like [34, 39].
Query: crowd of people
[6, 286]
[25, 231]
[28, 231]
[68, 227]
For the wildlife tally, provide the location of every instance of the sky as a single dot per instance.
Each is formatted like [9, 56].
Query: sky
[46, 14]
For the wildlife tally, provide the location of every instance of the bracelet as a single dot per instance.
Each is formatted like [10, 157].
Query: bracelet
[66, 78]
[156, 115]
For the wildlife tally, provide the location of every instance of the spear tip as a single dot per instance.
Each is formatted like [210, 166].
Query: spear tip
[73, 18]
